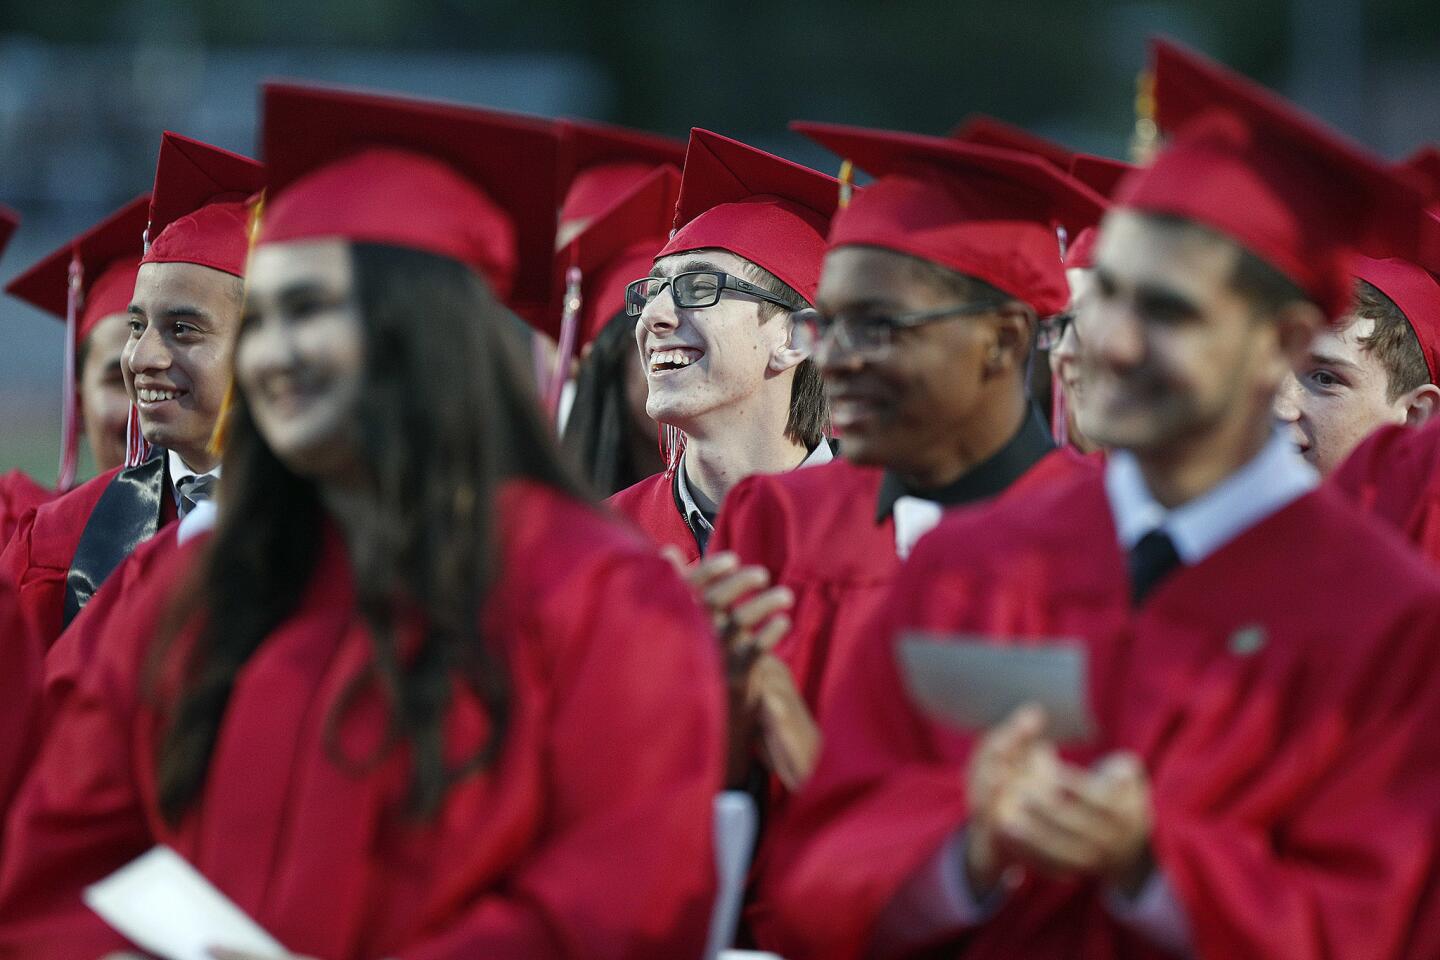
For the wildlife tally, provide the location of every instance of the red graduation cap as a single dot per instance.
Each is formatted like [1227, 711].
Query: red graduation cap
[619, 246]
[90, 277]
[992, 132]
[1425, 163]
[1104, 176]
[477, 186]
[766, 209]
[199, 208]
[1413, 285]
[600, 163]
[1245, 162]
[986, 212]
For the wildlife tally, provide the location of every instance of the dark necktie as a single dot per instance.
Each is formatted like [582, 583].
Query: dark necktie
[193, 491]
[1151, 561]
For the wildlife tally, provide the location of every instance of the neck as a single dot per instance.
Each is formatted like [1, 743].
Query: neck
[717, 457]
[201, 461]
[963, 451]
[1182, 472]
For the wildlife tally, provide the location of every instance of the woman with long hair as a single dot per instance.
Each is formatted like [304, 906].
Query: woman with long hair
[414, 697]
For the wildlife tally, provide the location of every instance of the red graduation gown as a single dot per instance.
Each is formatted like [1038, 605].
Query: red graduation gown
[1395, 475]
[1295, 781]
[39, 555]
[18, 494]
[650, 505]
[19, 693]
[590, 838]
[815, 531]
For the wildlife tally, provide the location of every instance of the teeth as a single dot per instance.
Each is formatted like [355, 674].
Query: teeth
[671, 358]
[155, 396]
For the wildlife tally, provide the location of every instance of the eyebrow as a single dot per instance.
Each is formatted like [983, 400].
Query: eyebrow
[1330, 360]
[687, 267]
[180, 312]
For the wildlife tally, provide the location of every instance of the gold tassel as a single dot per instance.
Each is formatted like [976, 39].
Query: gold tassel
[847, 183]
[1145, 142]
[221, 434]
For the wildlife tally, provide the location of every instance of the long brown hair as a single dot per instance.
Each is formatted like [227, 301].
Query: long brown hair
[446, 416]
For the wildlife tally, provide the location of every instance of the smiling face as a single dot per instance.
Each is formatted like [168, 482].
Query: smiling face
[104, 403]
[703, 360]
[1169, 348]
[183, 319]
[301, 357]
[934, 385]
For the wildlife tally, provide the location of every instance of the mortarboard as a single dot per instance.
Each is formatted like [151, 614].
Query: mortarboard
[986, 212]
[474, 185]
[199, 207]
[90, 277]
[600, 163]
[992, 132]
[758, 206]
[1250, 165]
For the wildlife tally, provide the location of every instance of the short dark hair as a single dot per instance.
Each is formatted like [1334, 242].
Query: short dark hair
[809, 407]
[961, 288]
[1392, 342]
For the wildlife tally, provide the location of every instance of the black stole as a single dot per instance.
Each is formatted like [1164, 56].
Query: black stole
[126, 515]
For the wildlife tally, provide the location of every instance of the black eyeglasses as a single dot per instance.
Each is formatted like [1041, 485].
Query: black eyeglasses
[695, 289]
[1053, 330]
[873, 334]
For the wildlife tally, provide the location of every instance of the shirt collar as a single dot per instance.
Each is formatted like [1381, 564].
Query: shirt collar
[179, 471]
[695, 518]
[1272, 480]
[986, 479]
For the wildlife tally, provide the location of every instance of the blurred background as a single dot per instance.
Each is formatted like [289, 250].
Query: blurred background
[86, 87]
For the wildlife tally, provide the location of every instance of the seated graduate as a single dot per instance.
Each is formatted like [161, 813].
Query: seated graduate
[183, 311]
[414, 697]
[1257, 655]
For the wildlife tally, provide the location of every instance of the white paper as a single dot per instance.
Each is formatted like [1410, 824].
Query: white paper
[975, 684]
[168, 908]
[735, 825]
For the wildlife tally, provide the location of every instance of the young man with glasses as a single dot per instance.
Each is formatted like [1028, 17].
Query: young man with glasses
[926, 312]
[714, 330]
[1248, 770]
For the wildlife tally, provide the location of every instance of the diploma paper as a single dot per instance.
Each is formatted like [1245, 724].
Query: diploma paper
[976, 684]
[735, 825]
[169, 909]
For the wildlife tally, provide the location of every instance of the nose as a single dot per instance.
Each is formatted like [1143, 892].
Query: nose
[148, 352]
[1287, 400]
[1114, 333]
[659, 316]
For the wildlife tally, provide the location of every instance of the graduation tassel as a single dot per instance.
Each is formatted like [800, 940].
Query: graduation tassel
[1145, 142]
[672, 444]
[847, 183]
[137, 448]
[69, 416]
[569, 329]
[221, 434]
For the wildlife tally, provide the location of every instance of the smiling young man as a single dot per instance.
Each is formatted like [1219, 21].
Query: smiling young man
[1375, 368]
[183, 316]
[715, 324]
[936, 276]
[1255, 655]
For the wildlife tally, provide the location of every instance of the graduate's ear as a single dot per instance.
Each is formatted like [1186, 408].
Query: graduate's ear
[787, 353]
[1420, 404]
[1297, 324]
[1014, 333]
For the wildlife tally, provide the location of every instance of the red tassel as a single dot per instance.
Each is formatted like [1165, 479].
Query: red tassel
[69, 416]
[137, 448]
[672, 444]
[1059, 412]
[569, 329]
